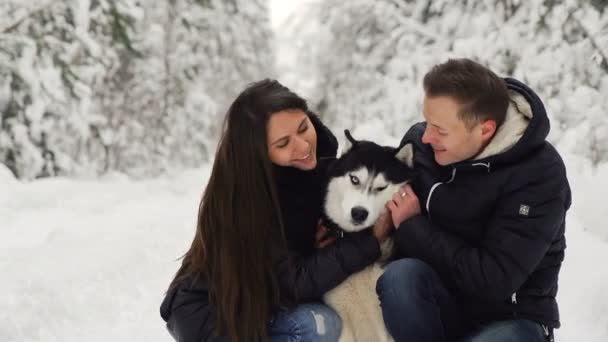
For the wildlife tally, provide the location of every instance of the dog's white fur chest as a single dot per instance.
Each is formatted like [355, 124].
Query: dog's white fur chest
[356, 302]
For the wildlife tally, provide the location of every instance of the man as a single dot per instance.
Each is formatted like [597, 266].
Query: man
[483, 232]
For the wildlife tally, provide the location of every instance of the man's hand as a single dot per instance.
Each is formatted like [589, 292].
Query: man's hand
[404, 205]
[323, 238]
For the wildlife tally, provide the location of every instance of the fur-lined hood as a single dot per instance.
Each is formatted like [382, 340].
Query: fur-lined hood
[525, 128]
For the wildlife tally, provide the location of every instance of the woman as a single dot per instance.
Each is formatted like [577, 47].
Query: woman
[252, 272]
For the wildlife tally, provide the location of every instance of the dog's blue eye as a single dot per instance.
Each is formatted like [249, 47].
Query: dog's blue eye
[354, 180]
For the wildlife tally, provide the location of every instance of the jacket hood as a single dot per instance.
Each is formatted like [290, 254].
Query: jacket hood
[525, 128]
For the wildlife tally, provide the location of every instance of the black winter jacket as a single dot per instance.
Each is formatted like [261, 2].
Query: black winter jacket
[493, 228]
[306, 273]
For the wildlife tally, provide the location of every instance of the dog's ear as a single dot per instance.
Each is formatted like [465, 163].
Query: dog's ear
[349, 143]
[406, 155]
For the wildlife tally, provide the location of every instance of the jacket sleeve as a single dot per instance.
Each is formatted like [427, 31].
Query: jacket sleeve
[190, 317]
[308, 278]
[514, 243]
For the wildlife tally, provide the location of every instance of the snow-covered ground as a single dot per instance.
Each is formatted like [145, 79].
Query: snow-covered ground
[89, 260]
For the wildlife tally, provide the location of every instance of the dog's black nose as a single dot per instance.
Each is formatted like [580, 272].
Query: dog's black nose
[359, 214]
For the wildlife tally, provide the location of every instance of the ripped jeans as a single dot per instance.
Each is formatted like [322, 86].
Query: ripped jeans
[306, 322]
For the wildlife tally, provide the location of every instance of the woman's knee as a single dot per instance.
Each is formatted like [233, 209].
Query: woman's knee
[323, 322]
[314, 322]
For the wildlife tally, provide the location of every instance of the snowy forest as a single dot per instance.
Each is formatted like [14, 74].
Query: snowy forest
[92, 86]
[89, 86]
[110, 112]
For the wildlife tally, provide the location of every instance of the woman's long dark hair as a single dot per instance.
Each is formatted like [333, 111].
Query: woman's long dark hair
[239, 231]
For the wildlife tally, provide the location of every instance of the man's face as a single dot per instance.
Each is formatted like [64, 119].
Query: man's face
[451, 139]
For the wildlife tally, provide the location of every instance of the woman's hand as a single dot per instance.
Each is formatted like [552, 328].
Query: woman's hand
[323, 238]
[383, 227]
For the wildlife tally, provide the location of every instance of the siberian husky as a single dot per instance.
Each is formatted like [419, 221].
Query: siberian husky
[360, 183]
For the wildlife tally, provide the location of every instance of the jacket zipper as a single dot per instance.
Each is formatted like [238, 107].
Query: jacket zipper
[514, 302]
[428, 199]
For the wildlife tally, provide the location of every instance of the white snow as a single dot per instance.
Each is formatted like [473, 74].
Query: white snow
[90, 260]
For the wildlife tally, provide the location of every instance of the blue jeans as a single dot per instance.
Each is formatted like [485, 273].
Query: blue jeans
[306, 322]
[506, 331]
[417, 307]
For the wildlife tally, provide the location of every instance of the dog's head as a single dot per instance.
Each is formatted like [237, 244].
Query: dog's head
[363, 179]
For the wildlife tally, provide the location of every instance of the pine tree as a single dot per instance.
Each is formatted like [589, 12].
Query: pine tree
[90, 86]
[52, 61]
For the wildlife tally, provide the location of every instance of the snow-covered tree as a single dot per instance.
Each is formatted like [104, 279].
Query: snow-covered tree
[371, 61]
[197, 55]
[88, 86]
[51, 62]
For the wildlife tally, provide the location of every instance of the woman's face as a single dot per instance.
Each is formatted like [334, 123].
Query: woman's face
[292, 140]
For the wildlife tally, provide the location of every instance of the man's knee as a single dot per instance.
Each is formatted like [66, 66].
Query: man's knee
[406, 276]
[509, 330]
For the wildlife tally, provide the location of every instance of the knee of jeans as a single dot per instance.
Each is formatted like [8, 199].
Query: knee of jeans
[319, 321]
[404, 276]
[509, 330]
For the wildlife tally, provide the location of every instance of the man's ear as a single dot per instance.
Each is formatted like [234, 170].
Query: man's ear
[406, 155]
[488, 129]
